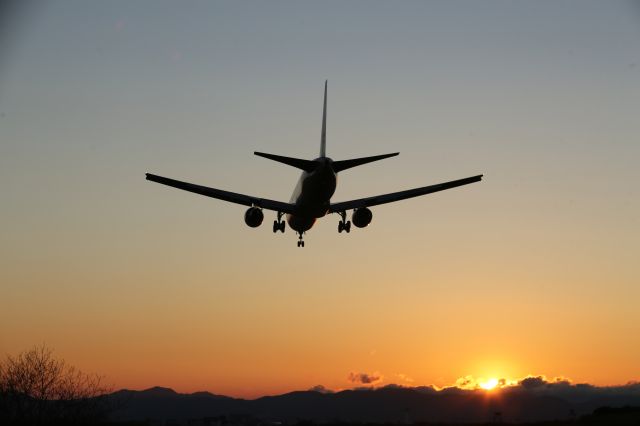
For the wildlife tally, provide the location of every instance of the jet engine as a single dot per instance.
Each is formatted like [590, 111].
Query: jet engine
[361, 217]
[253, 217]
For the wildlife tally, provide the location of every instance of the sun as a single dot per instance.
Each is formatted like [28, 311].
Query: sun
[489, 384]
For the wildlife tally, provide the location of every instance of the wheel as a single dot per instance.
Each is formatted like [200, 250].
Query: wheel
[301, 243]
[347, 227]
[282, 226]
[340, 227]
[276, 226]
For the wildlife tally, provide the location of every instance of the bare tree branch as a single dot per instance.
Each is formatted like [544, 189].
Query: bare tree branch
[36, 388]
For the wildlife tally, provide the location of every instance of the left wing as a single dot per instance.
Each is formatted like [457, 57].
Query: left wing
[231, 197]
[401, 195]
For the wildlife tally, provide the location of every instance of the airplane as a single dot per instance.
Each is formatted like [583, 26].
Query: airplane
[311, 197]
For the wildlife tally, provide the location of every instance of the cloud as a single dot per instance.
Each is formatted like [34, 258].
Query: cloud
[394, 386]
[562, 387]
[532, 382]
[404, 378]
[431, 389]
[365, 378]
[538, 385]
[466, 382]
[320, 389]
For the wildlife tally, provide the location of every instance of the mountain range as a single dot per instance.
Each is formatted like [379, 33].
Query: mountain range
[390, 404]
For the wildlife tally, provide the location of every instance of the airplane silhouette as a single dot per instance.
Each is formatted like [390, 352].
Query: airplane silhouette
[311, 197]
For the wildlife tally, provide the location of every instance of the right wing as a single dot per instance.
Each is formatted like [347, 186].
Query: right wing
[402, 195]
[232, 197]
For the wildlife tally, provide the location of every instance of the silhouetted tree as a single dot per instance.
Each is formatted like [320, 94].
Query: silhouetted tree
[38, 389]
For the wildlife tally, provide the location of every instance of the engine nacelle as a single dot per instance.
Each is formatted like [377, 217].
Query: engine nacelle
[361, 217]
[253, 217]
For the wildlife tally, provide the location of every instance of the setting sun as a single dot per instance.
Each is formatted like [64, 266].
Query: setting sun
[489, 384]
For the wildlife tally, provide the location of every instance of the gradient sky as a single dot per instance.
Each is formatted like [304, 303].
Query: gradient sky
[533, 271]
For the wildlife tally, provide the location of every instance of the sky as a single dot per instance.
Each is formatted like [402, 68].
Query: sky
[532, 271]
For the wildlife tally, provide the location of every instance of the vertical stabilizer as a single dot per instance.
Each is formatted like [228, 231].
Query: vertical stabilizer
[323, 138]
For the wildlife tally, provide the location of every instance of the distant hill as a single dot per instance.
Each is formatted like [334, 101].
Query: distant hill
[383, 405]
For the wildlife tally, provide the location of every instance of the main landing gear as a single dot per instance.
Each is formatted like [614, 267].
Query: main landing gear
[344, 224]
[300, 241]
[278, 225]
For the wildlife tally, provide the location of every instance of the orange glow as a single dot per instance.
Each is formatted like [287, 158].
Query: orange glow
[489, 384]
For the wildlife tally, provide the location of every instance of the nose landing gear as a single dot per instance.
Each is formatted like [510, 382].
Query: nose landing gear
[344, 224]
[300, 241]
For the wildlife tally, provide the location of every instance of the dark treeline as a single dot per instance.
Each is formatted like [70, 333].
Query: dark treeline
[38, 389]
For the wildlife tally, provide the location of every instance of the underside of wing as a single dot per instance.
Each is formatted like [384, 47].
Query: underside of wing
[231, 197]
[401, 195]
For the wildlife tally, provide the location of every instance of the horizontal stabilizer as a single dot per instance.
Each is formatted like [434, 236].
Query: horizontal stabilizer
[339, 166]
[306, 165]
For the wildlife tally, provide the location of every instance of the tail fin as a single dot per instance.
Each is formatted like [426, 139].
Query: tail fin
[306, 165]
[338, 166]
[323, 137]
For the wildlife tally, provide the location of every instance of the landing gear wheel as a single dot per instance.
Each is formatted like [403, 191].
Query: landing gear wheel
[344, 224]
[278, 225]
[300, 242]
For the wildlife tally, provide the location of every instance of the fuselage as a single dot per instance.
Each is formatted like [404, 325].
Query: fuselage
[312, 195]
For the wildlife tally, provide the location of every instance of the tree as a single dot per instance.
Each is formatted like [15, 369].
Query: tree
[38, 389]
